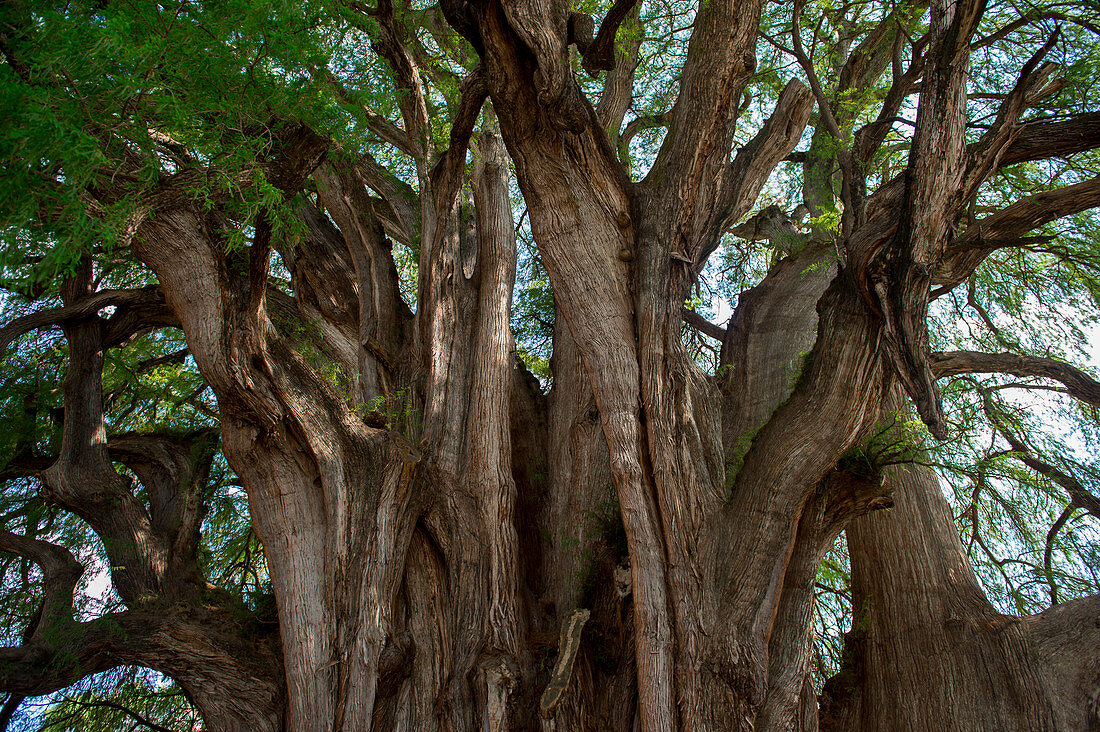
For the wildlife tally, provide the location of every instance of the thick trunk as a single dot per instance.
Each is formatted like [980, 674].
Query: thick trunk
[928, 651]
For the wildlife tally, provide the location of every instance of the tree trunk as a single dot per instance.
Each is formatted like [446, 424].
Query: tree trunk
[928, 651]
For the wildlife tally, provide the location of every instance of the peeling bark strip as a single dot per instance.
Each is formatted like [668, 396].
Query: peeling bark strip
[568, 646]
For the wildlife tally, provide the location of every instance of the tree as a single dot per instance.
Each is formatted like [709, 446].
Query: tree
[319, 197]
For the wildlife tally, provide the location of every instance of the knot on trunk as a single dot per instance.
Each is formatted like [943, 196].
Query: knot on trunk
[581, 30]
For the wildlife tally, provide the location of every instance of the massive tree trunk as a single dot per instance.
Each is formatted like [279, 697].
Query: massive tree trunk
[452, 549]
[927, 650]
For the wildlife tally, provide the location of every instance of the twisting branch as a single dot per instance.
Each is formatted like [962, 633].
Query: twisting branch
[599, 54]
[1006, 228]
[1048, 549]
[447, 175]
[984, 156]
[60, 572]
[755, 161]
[400, 215]
[174, 469]
[134, 301]
[901, 271]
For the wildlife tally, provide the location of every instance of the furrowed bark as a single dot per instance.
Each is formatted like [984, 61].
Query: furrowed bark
[767, 340]
[504, 661]
[580, 553]
[574, 189]
[927, 650]
[383, 319]
[900, 273]
[790, 702]
[750, 540]
[330, 498]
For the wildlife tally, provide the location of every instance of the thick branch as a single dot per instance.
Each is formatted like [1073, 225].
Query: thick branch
[618, 87]
[60, 571]
[704, 326]
[174, 470]
[599, 54]
[755, 161]
[1079, 384]
[83, 480]
[402, 222]
[228, 669]
[1044, 140]
[1007, 226]
[901, 274]
[447, 174]
[135, 302]
[693, 161]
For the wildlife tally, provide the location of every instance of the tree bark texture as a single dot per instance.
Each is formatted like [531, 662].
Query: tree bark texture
[925, 642]
[452, 549]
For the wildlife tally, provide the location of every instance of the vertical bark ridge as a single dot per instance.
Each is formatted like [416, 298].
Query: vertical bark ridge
[382, 318]
[489, 452]
[325, 491]
[581, 217]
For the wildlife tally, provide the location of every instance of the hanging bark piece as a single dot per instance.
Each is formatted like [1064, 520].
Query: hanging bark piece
[568, 646]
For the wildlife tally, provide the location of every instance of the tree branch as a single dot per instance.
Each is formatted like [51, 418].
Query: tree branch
[402, 221]
[390, 45]
[694, 157]
[1045, 140]
[174, 470]
[618, 87]
[1078, 494]
[704, 326]
[900, 274]
[446, 176]
[108, 704]
[599, 54]
[755, 161]
[1078, 384]
[133, 300]
[386, 131]
[60, 570]
[984, 155]
[1006, 228]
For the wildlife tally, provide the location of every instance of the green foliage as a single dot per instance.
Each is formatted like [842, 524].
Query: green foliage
[396, 411]
[108, 96]
[891, 442]
[131, 700]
